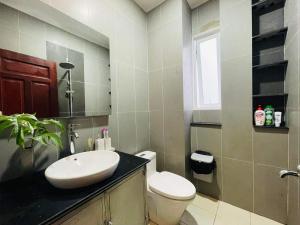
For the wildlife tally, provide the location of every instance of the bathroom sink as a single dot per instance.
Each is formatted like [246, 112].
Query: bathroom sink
[82, 169]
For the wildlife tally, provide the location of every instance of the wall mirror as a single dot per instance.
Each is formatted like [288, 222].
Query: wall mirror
[51, 64]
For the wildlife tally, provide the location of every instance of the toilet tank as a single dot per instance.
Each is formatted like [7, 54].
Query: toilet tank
[151, 166]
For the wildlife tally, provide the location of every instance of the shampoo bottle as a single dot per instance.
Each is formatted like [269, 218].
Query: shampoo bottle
[269, 111]
[259, 116]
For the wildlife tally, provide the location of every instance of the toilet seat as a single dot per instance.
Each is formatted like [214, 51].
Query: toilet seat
[172, 186]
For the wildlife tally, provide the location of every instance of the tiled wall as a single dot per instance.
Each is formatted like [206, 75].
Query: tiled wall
[248, 160]
[292, 50]
[165, 42]
[206, 17]
[126, 26]
[187, 73]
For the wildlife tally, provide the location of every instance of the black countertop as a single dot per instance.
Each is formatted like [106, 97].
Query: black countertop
[32, 200]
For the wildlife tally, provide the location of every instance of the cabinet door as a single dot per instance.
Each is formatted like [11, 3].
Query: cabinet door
[127, 202]
[91, 213]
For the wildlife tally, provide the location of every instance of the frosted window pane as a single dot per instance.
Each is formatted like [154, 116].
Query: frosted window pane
[209, 71]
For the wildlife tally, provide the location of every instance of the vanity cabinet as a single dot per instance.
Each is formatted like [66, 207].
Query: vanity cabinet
[127, 202]
[123, 204]
[91, 213]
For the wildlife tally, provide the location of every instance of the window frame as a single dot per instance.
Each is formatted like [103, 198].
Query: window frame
[215, 33]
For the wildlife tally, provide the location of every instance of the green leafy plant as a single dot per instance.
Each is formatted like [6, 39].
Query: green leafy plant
[27, 128]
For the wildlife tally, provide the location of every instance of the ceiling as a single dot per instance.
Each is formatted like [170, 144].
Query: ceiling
[148, 5]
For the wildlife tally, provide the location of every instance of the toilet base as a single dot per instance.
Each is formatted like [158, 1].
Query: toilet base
[165, 211]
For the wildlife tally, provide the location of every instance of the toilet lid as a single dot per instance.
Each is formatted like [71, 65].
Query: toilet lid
[172, 186]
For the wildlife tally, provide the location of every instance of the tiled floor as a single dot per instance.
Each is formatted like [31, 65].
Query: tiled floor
[208, 211]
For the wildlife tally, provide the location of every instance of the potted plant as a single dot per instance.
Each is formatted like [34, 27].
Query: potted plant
[27, 130]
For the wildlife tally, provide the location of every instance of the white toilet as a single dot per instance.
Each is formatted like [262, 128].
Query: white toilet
[168, 194]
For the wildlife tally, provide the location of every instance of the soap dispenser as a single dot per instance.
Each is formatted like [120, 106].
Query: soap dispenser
[259, 116]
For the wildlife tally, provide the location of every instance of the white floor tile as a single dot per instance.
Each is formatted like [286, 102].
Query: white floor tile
[194, 215]
[207, 203]
[260, 220]
[151, 223]
[230, 215]
[207, 211]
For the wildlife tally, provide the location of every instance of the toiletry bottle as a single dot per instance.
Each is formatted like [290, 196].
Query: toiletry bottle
[269, 111]
[278, 116]
[107, 140]
[259, 116]
[99, 142]
[90, 144]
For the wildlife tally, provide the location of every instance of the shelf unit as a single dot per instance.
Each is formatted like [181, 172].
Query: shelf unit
[260, 5]
[205, 124]
[280, 34]
[275, 95]
[271, 127]
[269, 66]
[283, 64]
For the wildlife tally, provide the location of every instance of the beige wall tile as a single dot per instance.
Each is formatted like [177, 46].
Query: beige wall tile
[127, 132]
[9, 18]
[270, 148]
[172, 89]
[142, 126]
[157, 137]
[155, 48]
[126, 90]
[293, 200]
[236, 32]
[209, 139]
[142, 90]
[269, 201]
[238, 183]
[236, 109]
[156, 90]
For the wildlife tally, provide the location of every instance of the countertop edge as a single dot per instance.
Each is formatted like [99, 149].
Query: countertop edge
[88, 198]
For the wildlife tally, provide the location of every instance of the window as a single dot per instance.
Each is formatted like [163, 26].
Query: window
[207, 73]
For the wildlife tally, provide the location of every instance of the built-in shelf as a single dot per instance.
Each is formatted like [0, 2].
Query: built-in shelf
[272, 34]
[283, 64]
[265, 4]
[271, 127]
[268, 79]
[271, 95]
[205, 124]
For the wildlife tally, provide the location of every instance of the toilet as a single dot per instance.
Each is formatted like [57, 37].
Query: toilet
[168, 194]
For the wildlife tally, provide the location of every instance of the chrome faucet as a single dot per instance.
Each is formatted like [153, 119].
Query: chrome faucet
[73, 135]
[284, 173]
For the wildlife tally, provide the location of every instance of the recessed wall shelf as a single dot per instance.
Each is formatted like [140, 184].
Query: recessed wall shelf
[269, 66]
[271, 127]
[281, 33]
[283, 64]
[205, 124]
[263, 5]
[285, 95]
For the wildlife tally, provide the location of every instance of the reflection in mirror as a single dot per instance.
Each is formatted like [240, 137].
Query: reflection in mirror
[83, 79]
[50, 71]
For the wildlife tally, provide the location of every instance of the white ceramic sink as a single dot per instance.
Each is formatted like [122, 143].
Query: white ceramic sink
[82, 169]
